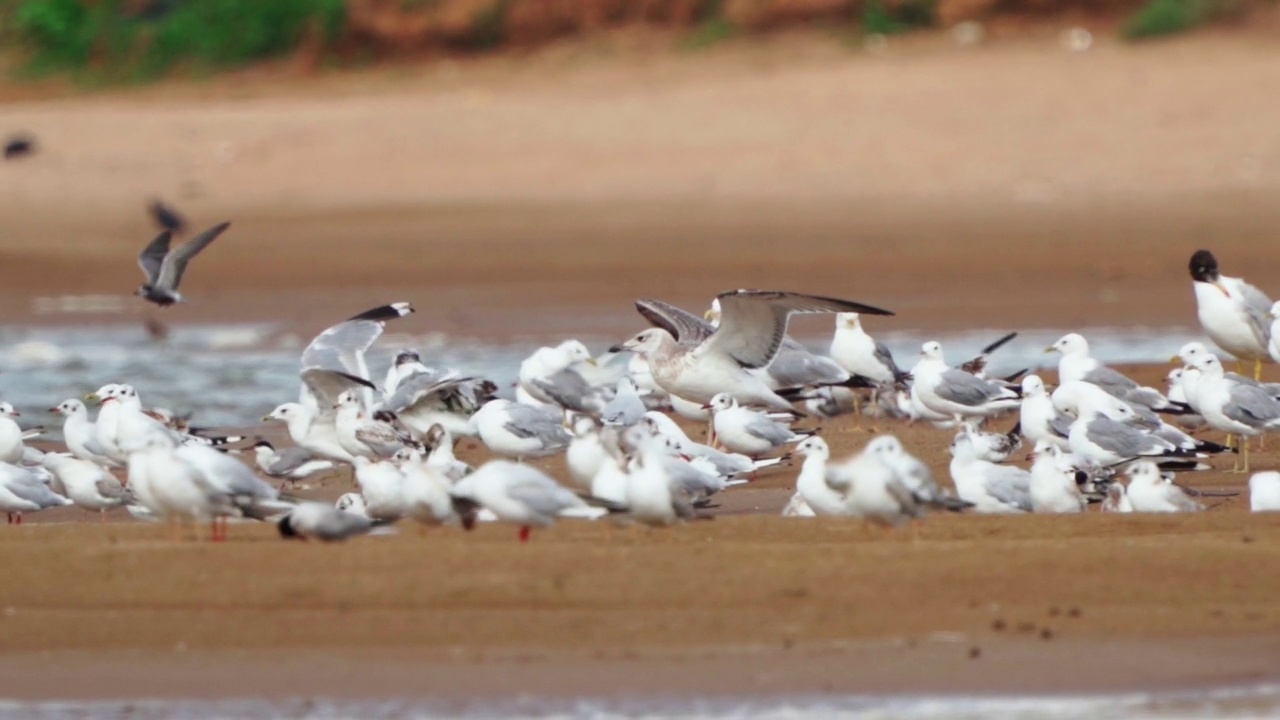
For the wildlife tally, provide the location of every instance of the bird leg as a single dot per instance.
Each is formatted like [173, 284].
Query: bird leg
[102, 515]
[1245, 443]
[19, 522]
[1257, 369]
[525, 530]
[711, 434]
[8, 520]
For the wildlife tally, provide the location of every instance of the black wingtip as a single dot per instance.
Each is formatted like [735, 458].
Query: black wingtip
[383, 313]
[355, 379]
[999, 343]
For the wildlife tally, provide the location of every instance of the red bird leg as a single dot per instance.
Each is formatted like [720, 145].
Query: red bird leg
[524, 533]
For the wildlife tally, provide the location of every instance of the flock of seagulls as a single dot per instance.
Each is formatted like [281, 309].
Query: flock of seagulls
[1097, 437]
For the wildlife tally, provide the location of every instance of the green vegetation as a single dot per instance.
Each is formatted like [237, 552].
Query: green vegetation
[101, 40]
[710, 31]
[1167, 17]
[902, 17]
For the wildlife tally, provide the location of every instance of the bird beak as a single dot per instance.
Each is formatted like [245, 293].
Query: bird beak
[706, 316]
[1051, 349]
[54, 410]
[15, 413]
[1175, 359]
[266, 418]
[91, 396]
[593, 362]
[707, 406]
[620, 347]
[1218, 284]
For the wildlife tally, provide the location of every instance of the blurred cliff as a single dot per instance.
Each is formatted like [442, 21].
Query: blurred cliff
[131, 40]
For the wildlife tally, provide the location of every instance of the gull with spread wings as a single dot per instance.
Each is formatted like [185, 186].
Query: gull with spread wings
[163, 267]
[690, 360]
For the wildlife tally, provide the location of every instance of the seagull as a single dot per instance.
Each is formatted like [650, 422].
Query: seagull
[1039, 419]
[163, 268]
[913, 473]
[726, 464]
[1232, 312]
[993, 446]
[1264, 491]
[662, 490]
[1274, 346]
[538, 372]
[520, 431]
[1191, 420]
[1117, 499]
[87, 484]
[518, 494]
[1053, 487]
[696, 365]
[955, 393]
[586, 451]
[749, 432]
[425, 491]
[811, 485]
[22, 492]
[794, 366]
[437, 397]
[873, 491]
[860, 354]
[291, 463]
[440, 457]
[11, 445]
[1150, 491]
[323, 522]
[1105, 437]
[166, 217]
[363, 435]
[990, 487]
[1235, 406]
[627, 407]
[1078, 366]
[797, 507]
[382, 487]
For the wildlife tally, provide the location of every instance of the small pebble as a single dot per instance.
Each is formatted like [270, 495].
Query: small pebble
[1046, 634]
[975, 653]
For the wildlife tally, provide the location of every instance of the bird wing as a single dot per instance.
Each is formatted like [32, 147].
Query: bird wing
[768, 430]
[1257, 308]
[753, 323]
[421, 386]
[109, 487]
[1123, 439]
[795, 365]
[541, 494]
[885, 357]
[979, 363]
[152, 256]
[175, 262]
[572, 391]
[341, 347]
[527, 421]
[904, 497]
[288, 460]
[326, 385]
[1251, 405]
[960, 387]
[1010, 485]
[1113, 382]
[688, 329]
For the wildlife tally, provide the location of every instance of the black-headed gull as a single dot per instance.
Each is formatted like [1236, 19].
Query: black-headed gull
[811, 484]
[323, 522]
[22, 492]
[954, 393]
[291, 463]
[1232, 312]
[79, 432]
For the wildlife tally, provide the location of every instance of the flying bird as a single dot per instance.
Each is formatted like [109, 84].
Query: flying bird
[166, 217]
[164, 267]
[18, 146]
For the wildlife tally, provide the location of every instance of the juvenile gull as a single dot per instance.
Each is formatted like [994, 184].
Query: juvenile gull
[163, 268]
[586, 451]
[440, 457]
[697, 366]
[993, 446]
[1232, 312]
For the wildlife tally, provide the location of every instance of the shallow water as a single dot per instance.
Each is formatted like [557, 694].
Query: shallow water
[1237, 702]
[233, 374]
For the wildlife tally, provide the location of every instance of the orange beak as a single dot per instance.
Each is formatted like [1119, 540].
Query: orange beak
[1222, 287]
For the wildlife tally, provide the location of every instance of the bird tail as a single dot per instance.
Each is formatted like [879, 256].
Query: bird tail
[588, 512]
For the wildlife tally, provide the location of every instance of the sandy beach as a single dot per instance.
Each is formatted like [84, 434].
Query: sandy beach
[1015, 185]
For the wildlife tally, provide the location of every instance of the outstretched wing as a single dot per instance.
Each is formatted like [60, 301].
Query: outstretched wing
[152, 256]
[175, 263]
[688, 329]
[754, 322]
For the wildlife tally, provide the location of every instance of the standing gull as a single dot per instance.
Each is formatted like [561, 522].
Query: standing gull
[749, 432]
[517, 494]
[794, 366]
[1232, 312]
[1077, 365]
[1053, 487]
[88, 485]
[697, 366]
[1236, 406]
[520, 431]
[163, 268]
[955, 393]
[291, 463]
[990, 487]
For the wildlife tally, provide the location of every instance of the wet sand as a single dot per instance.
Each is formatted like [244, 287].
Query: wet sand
[523, 206]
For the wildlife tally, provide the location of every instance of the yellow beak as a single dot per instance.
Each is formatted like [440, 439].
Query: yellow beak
[266, 418]
[1051, 349]
[91, 396]
[593, 362]
[1175, 359]
[707, 315]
